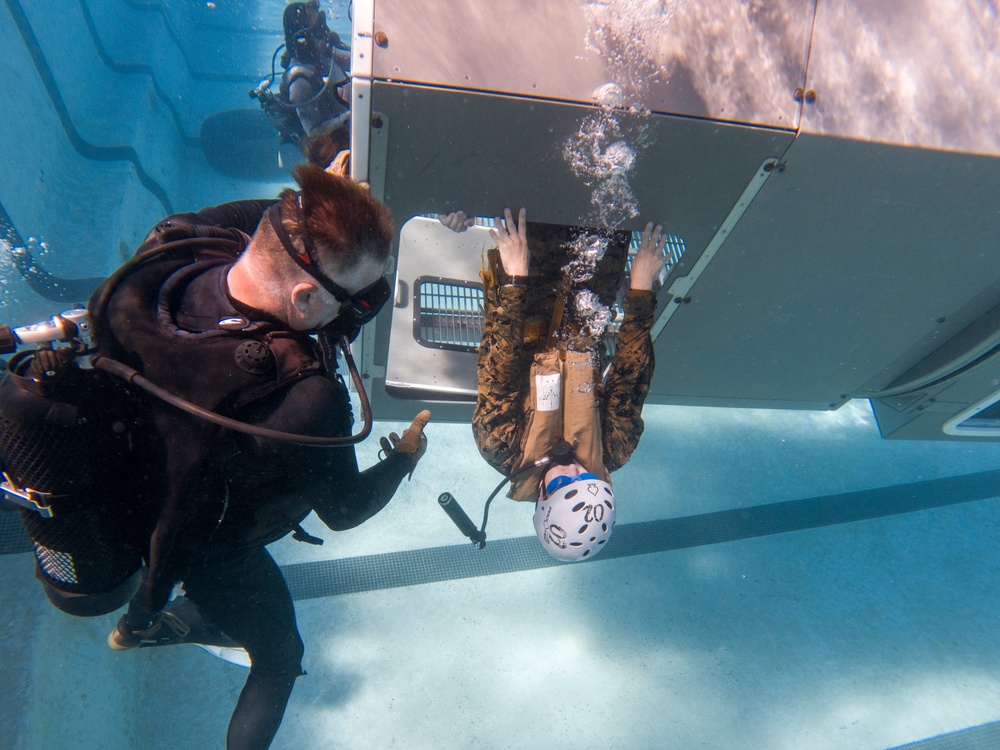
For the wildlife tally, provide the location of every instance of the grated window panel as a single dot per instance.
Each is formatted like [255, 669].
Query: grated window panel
[448, 313]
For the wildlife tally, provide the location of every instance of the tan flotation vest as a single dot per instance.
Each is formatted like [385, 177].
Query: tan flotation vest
[562, 403]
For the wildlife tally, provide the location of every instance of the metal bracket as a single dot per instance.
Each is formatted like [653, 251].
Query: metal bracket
[681, 287]
[362, 49]
[28, 498]
[378, 150]
[368, 366]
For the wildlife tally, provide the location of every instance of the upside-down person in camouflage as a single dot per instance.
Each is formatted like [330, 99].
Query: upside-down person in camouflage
[545, 416]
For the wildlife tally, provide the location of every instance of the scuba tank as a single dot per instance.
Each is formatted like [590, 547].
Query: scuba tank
[64, 449]
[68, 416]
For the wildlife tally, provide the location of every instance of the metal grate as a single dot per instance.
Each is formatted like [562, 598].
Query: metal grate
[448, 313]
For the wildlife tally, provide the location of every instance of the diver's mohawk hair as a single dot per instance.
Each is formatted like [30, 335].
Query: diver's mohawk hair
[342, 218]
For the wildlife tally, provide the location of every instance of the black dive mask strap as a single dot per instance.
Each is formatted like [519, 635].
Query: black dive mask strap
[358, 308]
[304, 259]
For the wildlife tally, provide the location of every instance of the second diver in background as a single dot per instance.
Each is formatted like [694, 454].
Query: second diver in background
[312, 106]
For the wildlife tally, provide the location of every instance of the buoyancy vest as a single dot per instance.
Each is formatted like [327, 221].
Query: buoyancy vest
[221, 369]
[324, 102]
[562, 403]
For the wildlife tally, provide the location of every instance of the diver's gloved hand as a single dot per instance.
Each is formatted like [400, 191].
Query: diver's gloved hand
[413, 443]
[341, 164]
[165, 630]
[181, 621]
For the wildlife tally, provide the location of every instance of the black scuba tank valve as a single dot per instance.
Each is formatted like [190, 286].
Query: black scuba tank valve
[455, 512]
[561, 453]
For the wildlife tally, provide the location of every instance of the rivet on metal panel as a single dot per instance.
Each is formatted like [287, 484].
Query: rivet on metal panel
[377, 122]
[798, 94]
[381, 39]
[810, 96]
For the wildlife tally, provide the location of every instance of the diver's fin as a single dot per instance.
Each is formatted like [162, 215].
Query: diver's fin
[180, 622]
[234, 655]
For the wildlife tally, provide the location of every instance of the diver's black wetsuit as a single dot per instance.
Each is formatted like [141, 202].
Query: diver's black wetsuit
[236, 493]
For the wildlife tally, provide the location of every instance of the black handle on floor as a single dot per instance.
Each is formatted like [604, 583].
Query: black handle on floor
[447, 501]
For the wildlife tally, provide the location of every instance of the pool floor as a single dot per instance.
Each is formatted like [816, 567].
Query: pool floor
[766, 614]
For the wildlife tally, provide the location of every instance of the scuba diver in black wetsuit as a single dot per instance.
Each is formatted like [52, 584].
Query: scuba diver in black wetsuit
[233, 336]
[312, 106]
[219, 309]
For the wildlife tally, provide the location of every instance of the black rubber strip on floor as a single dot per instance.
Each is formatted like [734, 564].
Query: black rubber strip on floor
[430, 565]
[982, 737]
[452, 562]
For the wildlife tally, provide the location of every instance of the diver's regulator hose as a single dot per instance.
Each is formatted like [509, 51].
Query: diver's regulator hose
[461, 519]
[130, 375]
[74, 326]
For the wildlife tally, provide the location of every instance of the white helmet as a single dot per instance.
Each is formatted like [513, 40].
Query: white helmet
[576, 520]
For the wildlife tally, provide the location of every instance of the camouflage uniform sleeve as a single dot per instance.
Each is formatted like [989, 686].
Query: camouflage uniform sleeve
[498, 420]
[624, 391]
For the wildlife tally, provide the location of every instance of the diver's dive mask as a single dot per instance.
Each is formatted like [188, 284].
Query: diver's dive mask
[306, 34]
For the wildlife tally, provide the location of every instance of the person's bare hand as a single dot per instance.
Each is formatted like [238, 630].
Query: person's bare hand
[512, 241]
[649, 260]
[456, 221]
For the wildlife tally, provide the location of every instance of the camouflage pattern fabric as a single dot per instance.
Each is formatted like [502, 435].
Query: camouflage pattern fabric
[626, 385]
[504, 364]
[505, 353]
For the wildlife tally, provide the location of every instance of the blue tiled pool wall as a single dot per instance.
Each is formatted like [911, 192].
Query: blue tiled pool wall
[103, 106]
